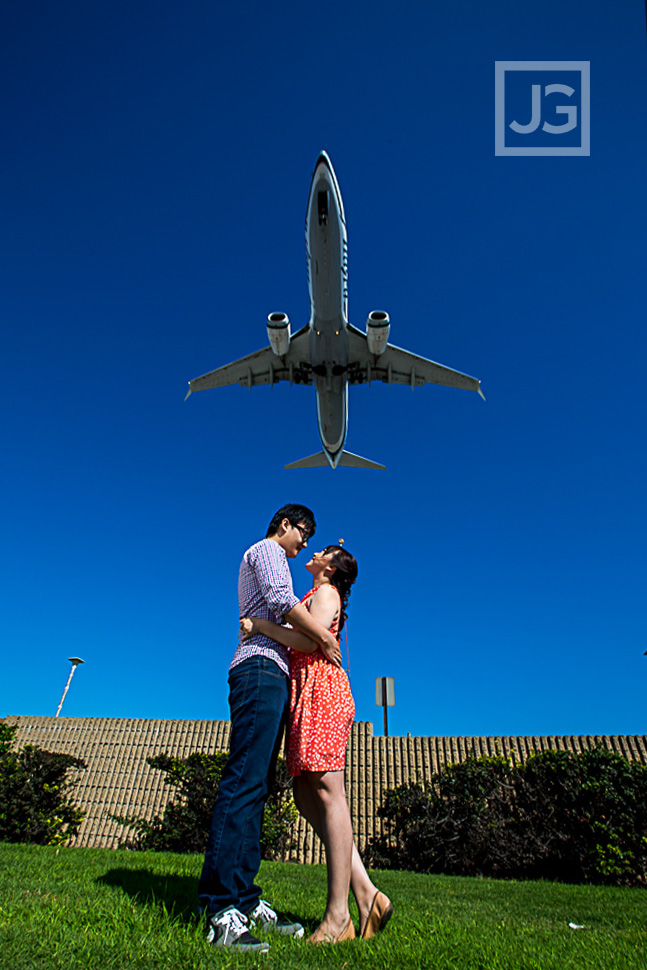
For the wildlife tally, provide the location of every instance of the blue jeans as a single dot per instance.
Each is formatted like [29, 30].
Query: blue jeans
[258, 701]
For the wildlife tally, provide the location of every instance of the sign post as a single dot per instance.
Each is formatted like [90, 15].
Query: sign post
[385, 697]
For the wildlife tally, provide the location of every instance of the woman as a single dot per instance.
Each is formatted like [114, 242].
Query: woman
[321, 716]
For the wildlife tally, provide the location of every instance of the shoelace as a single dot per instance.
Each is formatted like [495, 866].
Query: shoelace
[264, 911]
[235, 922]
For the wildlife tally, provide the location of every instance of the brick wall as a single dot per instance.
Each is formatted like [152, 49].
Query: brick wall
[118, 781]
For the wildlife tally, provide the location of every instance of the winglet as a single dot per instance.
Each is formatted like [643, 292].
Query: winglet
[480, 392]
[188, 392]
[347, 458]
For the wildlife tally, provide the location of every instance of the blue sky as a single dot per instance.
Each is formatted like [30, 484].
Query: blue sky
[155, 169]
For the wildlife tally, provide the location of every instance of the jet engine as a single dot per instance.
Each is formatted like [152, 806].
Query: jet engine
[278, 331]
[378, 327]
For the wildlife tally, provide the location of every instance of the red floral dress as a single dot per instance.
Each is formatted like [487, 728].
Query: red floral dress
[321, 710]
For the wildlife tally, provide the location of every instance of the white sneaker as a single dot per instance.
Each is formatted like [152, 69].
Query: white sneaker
[227, 928]
[266, 919]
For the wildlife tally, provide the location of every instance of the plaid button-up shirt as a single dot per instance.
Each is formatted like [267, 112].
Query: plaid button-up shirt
[265, 590]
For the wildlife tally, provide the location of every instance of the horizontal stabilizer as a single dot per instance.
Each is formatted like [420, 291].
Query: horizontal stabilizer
[356, 461]
[320, 460]
[347, 458]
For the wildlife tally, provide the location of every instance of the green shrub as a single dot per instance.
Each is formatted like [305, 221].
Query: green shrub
[185, 823]
[34, 789]
[563, 816]
[588, 815]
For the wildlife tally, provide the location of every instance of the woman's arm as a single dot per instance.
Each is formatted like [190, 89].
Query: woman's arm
[300, 618]
[324, 605]
[323, 608]
[282, 634]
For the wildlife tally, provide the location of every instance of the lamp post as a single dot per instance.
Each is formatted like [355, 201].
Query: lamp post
[75, 661]
[385, 697]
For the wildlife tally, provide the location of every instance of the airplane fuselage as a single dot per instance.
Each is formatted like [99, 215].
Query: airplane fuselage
[329, 352]
[327, 256]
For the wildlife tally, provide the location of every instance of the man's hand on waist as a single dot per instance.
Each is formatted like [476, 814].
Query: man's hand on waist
[331, 650]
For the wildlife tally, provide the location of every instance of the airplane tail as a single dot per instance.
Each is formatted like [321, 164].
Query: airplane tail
[347, 458]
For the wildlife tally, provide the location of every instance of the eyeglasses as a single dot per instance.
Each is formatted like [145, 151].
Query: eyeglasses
[303, 530]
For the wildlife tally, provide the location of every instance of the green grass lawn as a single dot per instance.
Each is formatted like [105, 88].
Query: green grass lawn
[94, 909]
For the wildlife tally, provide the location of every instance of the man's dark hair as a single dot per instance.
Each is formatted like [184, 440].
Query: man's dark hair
[296, 515]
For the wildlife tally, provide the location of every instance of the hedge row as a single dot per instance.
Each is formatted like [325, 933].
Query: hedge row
[562, 816]
[34, 789]
[559, 815]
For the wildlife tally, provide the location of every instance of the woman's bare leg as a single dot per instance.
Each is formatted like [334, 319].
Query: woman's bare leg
[309, 806]
[306, 803]
[326, 798]
[363, 888]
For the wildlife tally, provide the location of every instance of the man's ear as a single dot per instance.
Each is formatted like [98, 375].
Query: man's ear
[284, 526]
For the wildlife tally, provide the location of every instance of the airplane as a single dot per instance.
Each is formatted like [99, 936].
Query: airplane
[328, 351]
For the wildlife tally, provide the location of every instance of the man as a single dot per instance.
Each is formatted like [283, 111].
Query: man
[258, 701]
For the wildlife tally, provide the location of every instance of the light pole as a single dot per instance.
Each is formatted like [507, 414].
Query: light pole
[75, 661]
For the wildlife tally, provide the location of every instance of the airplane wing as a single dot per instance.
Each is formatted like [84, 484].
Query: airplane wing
[397, 366]
[261, 367]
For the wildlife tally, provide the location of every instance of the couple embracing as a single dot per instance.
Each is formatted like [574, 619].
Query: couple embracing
[281, 673]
